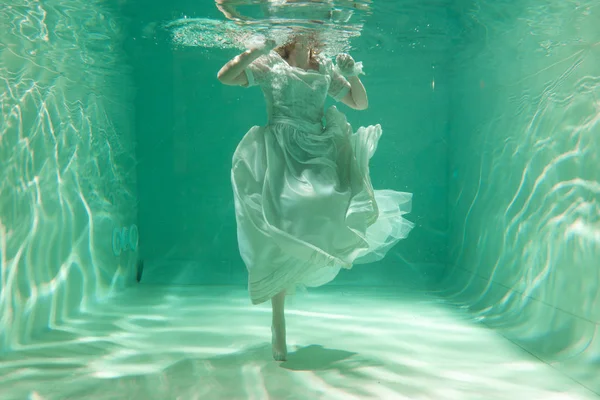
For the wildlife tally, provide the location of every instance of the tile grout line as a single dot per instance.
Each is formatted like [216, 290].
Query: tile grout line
[543, 361]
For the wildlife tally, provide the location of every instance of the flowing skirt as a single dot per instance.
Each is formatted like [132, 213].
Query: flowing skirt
[305, 206]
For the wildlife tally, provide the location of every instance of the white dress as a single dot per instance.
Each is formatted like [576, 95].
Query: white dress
[304, 202]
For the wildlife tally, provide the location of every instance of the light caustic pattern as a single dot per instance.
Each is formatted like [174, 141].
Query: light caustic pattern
[168, 342]
[525, 197]
[66, 167]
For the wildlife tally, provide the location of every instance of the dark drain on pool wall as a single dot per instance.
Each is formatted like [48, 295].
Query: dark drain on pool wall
[139, 270]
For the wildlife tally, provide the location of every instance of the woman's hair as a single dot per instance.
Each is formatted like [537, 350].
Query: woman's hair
[285, 49]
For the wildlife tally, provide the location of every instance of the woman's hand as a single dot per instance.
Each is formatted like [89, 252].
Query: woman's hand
[346, 65]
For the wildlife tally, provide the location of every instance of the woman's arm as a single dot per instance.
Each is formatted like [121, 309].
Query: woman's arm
[229, 9]
[356, 98]
[233, 74]
[357, 95]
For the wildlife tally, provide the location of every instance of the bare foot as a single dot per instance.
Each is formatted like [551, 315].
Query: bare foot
[278, 342]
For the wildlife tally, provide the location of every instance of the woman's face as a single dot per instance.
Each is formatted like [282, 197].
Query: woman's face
[302, 43]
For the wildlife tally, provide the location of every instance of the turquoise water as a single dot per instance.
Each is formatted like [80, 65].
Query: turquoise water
[112, 118]
[204, 136]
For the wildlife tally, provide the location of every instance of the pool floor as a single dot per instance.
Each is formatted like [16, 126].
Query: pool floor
[198, 342]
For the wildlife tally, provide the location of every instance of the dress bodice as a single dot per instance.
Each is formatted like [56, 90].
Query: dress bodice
[293, 94]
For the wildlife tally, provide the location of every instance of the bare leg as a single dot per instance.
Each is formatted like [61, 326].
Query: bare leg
[278, 327]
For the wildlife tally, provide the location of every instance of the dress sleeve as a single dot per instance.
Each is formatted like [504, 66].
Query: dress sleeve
[339, 86]
[258, 71]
